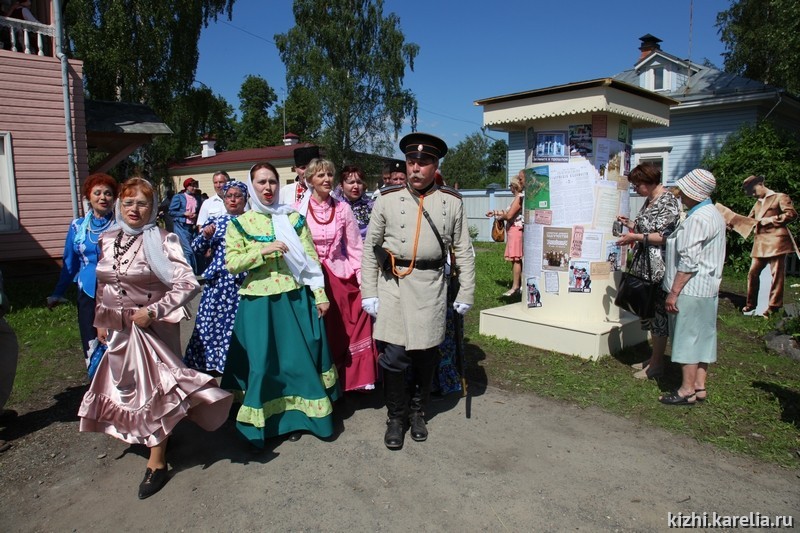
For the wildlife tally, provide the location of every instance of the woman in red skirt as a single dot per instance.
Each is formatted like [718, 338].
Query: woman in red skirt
[337, 240]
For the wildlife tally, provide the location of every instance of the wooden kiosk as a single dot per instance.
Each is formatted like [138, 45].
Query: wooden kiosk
[577, 149]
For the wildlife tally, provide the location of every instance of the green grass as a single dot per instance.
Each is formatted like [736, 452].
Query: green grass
[49, 342]
[754, 395]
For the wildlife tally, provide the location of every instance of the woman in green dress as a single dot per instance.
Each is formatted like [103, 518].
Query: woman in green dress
[278, 364]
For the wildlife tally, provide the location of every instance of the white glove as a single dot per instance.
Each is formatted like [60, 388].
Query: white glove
[370, 306]
[461, 309]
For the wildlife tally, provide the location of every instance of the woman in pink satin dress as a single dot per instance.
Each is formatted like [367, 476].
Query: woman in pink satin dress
[337, 239]
[142, 389]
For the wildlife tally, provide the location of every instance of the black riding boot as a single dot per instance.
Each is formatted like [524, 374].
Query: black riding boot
[423, 378]
[394, 394]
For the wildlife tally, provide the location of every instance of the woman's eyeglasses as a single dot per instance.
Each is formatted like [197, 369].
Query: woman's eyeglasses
[131, 203]
[233, 196]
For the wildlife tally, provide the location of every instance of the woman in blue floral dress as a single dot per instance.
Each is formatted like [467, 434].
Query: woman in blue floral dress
[208, 347]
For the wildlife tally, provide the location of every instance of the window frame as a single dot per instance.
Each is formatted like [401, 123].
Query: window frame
[9, 209]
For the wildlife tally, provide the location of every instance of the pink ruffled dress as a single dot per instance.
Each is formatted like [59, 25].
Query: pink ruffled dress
[142, 389]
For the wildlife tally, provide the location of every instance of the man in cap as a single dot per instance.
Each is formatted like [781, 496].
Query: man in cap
[394, 173]
[772, 241]
[293, 192]
[404, 286]
[183, 211]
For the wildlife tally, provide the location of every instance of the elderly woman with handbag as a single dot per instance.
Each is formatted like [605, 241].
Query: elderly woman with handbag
[648, 232]
[695, 257]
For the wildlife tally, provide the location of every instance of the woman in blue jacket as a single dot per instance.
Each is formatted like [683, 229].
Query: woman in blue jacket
[81, 252]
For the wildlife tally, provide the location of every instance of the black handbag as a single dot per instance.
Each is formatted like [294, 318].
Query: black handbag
[636, 294]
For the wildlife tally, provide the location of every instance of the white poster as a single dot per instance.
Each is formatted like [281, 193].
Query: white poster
[607, 207]
[551, 281]
[592, 248]
[532, 246]
[572, 194]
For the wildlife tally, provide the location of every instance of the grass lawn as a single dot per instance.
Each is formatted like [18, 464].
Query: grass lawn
[754, 395]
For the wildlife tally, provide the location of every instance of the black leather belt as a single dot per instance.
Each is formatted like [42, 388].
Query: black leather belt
[420, 264]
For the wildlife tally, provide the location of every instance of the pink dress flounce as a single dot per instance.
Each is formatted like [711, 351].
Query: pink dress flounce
[142, 389]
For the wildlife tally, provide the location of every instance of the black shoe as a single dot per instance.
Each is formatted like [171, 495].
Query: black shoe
[294, 437]
[7, 415]
[394, 433]
[153, 481]
[419, 432]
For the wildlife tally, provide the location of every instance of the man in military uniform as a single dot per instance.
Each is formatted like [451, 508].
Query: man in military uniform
[404, 286]
[772, 211]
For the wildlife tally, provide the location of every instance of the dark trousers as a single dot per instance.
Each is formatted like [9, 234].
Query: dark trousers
[408, 376]
[86, 306]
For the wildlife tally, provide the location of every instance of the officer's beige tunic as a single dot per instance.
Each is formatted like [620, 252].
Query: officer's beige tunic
[412, 309]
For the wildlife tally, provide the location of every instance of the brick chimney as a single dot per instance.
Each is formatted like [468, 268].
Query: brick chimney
[290, 139]
[649, 44]
[207, 146]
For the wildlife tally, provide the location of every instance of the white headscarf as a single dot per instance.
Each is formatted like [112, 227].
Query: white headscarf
[306, 272]
[153, 247]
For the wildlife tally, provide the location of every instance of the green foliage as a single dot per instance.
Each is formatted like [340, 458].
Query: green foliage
[476, 162]
[193, 114]
[351, 58]
[145, 51]
[256, 127]
[303, 113]
[473, 232]
[761, 150]
[762, 38]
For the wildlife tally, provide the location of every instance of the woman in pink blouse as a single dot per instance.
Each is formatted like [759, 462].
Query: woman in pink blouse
[337, 239]
[278, 364]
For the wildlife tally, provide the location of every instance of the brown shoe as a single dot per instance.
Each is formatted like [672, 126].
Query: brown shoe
[4, 446]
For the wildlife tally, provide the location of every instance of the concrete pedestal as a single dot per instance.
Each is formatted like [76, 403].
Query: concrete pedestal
[589, 340]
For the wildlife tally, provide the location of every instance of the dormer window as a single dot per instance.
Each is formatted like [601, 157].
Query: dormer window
[658, 79]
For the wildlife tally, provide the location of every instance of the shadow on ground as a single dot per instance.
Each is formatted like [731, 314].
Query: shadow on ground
[65, 409]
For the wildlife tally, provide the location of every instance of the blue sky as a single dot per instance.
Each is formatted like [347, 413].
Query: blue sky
[471, 50]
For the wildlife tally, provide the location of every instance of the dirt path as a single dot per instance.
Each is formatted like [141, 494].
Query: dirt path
[520, 463]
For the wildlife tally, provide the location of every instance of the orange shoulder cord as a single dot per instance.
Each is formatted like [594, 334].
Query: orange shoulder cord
[401, 275]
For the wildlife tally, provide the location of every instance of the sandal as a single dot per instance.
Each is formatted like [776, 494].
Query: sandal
[674, 398]
[748, 309]
[698, 398]
[511, 292]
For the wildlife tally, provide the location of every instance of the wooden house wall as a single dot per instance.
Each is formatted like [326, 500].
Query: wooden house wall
[516, 154]
[33, 112]
[692, 134]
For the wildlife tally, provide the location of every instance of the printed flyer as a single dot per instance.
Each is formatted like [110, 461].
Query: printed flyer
[537, 188]
[555, 250]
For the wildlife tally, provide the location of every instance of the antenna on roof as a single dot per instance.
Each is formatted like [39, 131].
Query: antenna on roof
[689, 59]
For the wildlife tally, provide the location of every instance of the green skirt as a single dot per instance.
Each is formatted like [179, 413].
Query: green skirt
[280, 368]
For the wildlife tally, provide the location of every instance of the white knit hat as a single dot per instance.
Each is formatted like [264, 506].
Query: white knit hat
[697, 184]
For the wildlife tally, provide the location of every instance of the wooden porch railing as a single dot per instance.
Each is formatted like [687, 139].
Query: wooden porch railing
[19, 36]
